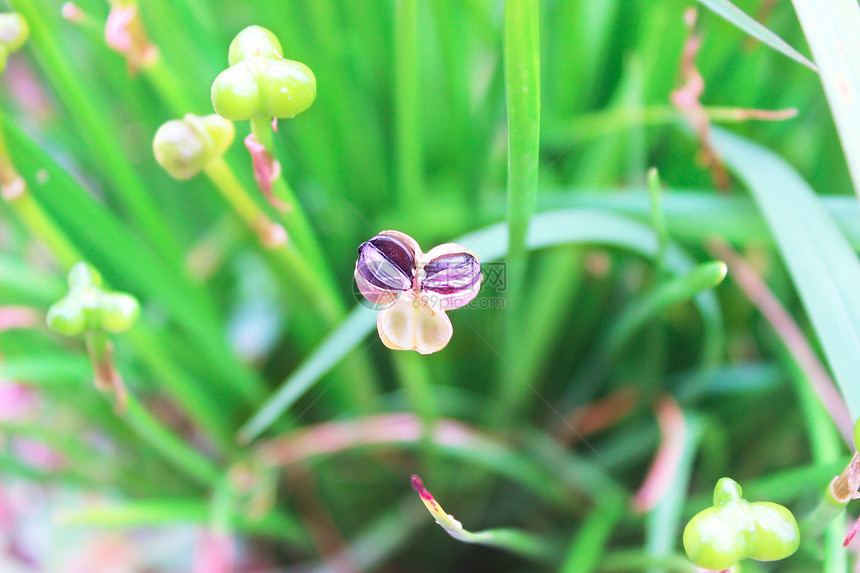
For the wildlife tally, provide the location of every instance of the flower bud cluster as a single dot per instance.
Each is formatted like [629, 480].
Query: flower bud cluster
[734, 529]
[260, 81]
[88, 307]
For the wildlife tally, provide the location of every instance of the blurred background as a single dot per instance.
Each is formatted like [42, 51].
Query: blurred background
[624, 343]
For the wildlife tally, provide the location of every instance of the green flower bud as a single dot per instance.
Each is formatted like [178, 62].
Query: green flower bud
[89, 308]
[83, 275]
[13, 31]
[735, 529]
[118, 312]
[260, 82]
[254, 41]
[184, 147]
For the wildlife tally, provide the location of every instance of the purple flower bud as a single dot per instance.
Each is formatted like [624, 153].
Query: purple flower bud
[451, 273]
[386, 262]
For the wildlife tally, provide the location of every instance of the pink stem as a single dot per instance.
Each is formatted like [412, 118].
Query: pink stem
[786, 328]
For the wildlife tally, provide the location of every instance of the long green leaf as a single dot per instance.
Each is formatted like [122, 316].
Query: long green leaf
[739, 18]
[522, 86]
[159, 512]
[822, 264]
[831, 29]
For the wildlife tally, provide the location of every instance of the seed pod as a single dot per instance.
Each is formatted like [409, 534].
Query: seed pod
[184, 147]
[409, 324]
[254, 41]
[386, 266]
[14, 31]
[451, 276]
[735, 529]
[88, 307]
[260, 81]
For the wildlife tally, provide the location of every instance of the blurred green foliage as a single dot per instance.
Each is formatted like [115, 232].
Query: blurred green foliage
[408, 132]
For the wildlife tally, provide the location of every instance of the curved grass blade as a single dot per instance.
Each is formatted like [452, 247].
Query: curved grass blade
[739, 18]
[556, 478]
[682, 288]
[831, 31]
[690, 214]
[821, 262]
[549, 229]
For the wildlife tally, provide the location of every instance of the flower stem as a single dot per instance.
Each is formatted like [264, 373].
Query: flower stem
[292, 265]
[172, 448]
[14, 191]
[295, 219]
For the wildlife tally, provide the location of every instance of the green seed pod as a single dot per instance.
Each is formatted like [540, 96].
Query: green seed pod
[83, 275]
[89, 308]
[254, 41]
[117, 312]
[67, 317]
[184, 147]
[260, 82]
[776, 532]
[735, 529]
[14, 31]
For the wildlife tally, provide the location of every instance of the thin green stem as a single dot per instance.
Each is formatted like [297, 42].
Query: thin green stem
[658, 220]
[407, 109]
[587, 547]
[40, 225]
[314, 274]
[171, 447]
[18, 197]
[191, 396]
[293, 266]
[416, 380]
[297, 224]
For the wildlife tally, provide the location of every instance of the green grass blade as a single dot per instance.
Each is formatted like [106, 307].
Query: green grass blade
[522, 86]
[690, 214]
[160, 512]
[407, 103]
[345, 337]
[824, 268]
[170, 446]
[680, 289]
[739, 18]
[590, 542]
[831, 29]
